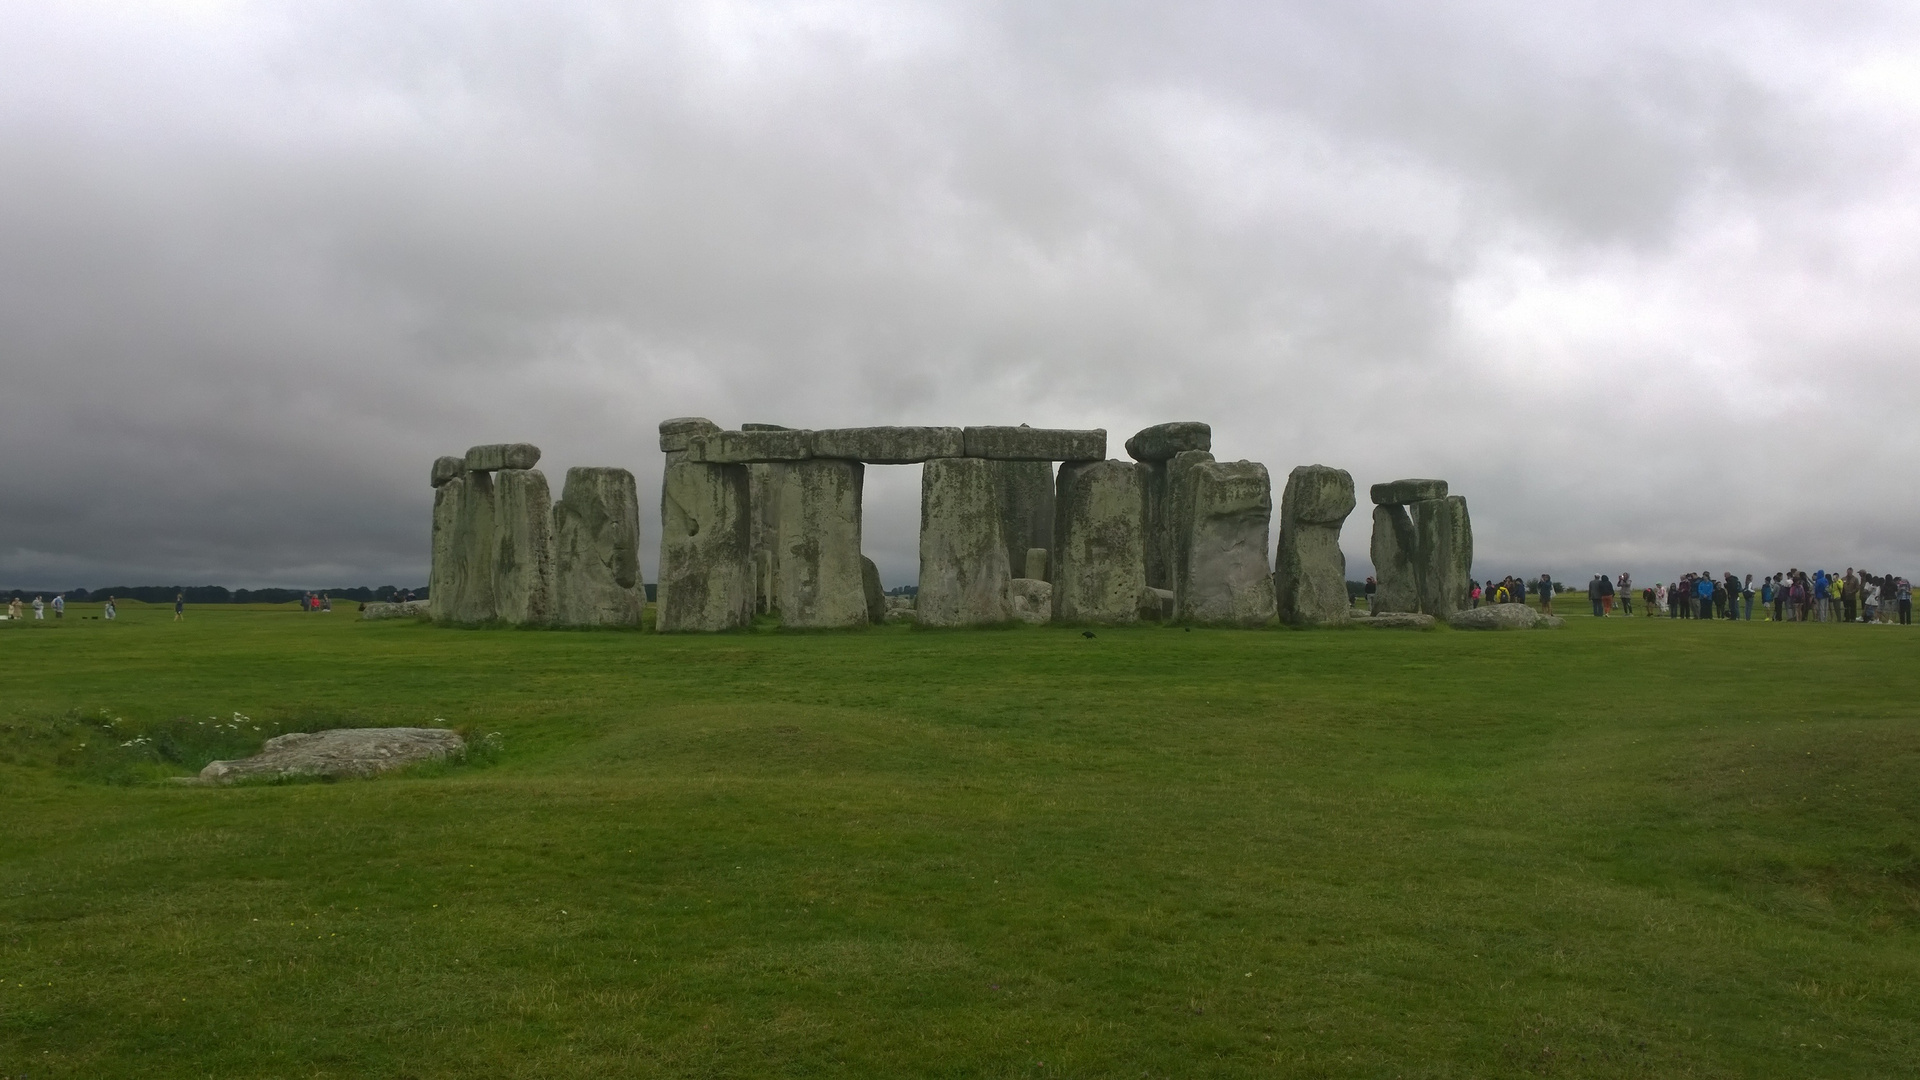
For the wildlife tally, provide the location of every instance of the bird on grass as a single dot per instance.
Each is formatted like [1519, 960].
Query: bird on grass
[1086, 633]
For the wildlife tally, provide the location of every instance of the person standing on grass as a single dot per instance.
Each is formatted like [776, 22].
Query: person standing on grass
[1703, 596]
[1606, 595]
[1372, 588]
[1746, 597]
[1903, 599]
[179, 607]
[1872, 600]
[59, 605]
[1850, 595]
[1593, 594]
[1626, 595]
[108, 611]
[13, 608]
[1546, 593]
[39, 610]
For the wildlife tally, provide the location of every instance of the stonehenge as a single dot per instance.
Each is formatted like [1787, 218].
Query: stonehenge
[1422, 548]
[1017, 524]
[1310, 571]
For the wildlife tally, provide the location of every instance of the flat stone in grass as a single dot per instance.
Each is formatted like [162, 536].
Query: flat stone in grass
[1503, 617]
[405, 609]
[345, 753]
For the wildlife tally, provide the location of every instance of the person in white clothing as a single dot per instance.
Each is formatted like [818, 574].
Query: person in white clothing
[109, 612]
[39, 608]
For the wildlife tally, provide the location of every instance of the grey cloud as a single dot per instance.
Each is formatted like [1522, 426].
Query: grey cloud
[1634, 277]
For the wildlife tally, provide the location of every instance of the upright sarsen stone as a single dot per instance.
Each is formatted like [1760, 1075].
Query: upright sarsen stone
[764, 505]
[1444, 536]
[1310, 572]
[596, 540]
[1225, 579]
[462, 589]
[1177, 514]
[706, 579]
[964, 567]
[1023, 494]
[1099, 562]
[876, 593]
[818, 581]
[523, 548]
[1396, 559]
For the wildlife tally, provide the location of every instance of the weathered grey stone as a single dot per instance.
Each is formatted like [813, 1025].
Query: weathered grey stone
[1161, 441]
[1393, 620]
[876, 596]
[1176, 512]
[1032, 600]
[1157, 604]
[344, 753]
[1229, 510]
[1310, 572]
[1503, 617]
[676, 433]
[1035, 566]
[1156, 538]
[1396, 565]
[818, 579]
[1402, 492]
[963, 557]
[1024, 497]
[741, 447]
[1036, 444]
[495, 456]
[706, 579]
[405, 609]
[446, 468]
[1444, 536]
[763, 530]
[1099, 563]
[523, 548]
[596, 542]
[890, 445]
[464, 543]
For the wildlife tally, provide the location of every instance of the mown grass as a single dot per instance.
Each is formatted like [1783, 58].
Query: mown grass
[1629, 848]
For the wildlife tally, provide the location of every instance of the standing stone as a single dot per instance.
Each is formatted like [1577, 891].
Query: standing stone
[1310, 573]
[1396, 566]
[1032, 600]
[1099, 571]
[1444, 536]
[1225, 579]
[764, 529]
[876, 595]
[1024, 501]
[677, 434]
[596, 539]
[817, 546]
[463, 588]
[1157, 532]
[706, 579]
[964, 568]
[523, 548]
[1178, 514]
[1035, 566]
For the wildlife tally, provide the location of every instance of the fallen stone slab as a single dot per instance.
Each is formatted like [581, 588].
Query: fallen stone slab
[890, 445]
[1036, 444]
[494, 456]
[1402, 492]
[1161, 441]
[1156, 604]
[1503, 617]
[447, 468]
[405, 609]
[344, 753]
[1393, 620]
[676, 433]
[742, 447]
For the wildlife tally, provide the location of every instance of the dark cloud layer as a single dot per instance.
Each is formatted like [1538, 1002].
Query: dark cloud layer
[1638, 279]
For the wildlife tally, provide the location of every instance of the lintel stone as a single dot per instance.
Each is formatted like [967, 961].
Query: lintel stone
[1036, 444]
[496, 456]
[675, 433]
[742, 447]
[1161, 441]
[890, 445]
[1406, 492]
[446, 468]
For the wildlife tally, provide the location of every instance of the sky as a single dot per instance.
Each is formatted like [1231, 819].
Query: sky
[1640, 280]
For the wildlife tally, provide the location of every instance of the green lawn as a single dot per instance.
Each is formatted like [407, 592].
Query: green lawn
[1627, 848]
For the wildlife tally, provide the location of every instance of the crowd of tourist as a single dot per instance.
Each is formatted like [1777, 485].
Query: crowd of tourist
[1788, 596]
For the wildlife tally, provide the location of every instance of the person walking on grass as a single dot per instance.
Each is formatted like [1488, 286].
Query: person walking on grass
[1606, 595]
[13, 608]
[1593, 594]
[108, 611]
[179, 607]
[1625, 591]
[1546, 593]
[59, 605]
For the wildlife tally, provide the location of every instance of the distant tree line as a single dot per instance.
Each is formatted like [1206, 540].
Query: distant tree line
[215, 594]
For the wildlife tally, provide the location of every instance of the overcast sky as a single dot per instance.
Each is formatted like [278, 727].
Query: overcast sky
[1641, 280]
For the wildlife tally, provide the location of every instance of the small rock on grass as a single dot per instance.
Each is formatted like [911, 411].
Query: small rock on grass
[344, 753]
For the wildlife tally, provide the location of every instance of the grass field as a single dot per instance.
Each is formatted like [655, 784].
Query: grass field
[1627, 848]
